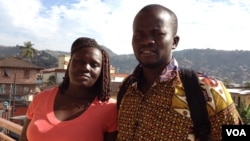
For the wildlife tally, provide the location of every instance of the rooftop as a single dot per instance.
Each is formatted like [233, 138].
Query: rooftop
[17, 62]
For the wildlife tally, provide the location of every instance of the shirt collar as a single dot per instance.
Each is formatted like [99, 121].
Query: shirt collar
[169, 71]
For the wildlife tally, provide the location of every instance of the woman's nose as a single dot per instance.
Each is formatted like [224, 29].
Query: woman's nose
[86, 67]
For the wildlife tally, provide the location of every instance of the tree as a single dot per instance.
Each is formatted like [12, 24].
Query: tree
[51, 80]
[226, 83]
[244, 112]
[247, 84]
[27, 51]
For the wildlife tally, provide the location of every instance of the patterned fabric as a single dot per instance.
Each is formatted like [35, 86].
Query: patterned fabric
[162, 114]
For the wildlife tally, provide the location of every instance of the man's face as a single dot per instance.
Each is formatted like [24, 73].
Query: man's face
[153, 38]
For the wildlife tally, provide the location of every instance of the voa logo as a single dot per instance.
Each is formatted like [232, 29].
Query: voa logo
[236, 132]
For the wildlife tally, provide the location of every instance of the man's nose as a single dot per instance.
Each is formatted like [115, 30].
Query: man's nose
[147, 39]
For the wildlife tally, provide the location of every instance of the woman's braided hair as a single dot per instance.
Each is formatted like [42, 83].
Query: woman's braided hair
[103, 83]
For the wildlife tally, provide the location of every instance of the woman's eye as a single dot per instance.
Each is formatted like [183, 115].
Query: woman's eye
[94, 65]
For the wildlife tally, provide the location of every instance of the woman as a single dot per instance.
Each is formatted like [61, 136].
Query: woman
[80, 109]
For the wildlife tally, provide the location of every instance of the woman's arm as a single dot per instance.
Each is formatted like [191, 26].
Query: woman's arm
[110, 136]
[23, 136]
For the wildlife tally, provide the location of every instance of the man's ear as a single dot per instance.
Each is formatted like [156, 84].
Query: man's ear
[176, 41]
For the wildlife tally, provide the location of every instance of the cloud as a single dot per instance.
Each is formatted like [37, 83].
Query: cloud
[202, 24]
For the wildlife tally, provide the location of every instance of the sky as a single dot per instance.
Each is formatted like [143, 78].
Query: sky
[55, 24]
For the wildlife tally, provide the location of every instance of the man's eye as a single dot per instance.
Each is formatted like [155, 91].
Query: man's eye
[138, 36]
[78, 61]
[156, 34]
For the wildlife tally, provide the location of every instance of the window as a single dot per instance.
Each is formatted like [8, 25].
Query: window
[15, 88]
[39, 77]
[26, 74]
[5, 73]
[26, 89]
[2, 89]
[239, 103]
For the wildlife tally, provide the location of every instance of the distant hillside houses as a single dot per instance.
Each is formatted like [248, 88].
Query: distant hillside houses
[241, 96]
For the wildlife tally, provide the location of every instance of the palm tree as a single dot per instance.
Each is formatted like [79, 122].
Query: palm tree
[27, 51]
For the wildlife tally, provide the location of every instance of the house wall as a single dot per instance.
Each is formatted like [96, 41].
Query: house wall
[240, 99]
[16, 83]
[46, 76]
[59, 77]
[17, 75]
[246, 99]
[116, 79]
[58, 73]
[63, 61]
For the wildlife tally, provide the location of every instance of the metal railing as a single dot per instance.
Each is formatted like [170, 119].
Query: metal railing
[10, 131]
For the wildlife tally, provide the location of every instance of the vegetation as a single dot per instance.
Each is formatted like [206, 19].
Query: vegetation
[27, 50]
[247, 84]
[244, 112]
[228, 66]
[51, 80]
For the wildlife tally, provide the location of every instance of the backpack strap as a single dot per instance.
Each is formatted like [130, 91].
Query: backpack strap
[197, 104]
[122, 91]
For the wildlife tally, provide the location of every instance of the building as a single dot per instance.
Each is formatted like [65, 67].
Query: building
[241, 96]
[52, 76]
[19, 79]
[63, 61]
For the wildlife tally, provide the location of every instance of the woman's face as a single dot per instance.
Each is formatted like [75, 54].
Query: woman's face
[85, 67]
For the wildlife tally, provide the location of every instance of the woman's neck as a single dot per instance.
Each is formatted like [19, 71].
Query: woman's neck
[80, 93]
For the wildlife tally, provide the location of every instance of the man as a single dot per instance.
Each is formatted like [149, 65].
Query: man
[154, 105]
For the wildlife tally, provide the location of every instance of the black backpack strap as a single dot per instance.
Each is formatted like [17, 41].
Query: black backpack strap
[122, 91]
[197, 104]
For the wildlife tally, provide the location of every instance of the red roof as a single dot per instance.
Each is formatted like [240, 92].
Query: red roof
[16, 62]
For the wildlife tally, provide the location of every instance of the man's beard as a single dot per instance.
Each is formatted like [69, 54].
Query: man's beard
[153, 65]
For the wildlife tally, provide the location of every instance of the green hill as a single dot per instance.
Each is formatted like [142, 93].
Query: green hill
[230, 66]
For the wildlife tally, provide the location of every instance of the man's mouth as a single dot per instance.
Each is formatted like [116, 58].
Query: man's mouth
[147, 52]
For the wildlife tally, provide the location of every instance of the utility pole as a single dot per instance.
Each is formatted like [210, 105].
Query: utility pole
[14, 97]
[9, 109]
